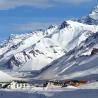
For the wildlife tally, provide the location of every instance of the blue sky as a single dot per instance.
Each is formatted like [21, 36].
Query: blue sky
[21, 16]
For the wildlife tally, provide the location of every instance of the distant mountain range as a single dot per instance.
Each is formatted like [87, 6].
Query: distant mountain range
[62, 51]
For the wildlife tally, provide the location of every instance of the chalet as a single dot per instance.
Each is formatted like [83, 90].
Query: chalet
[75, 83]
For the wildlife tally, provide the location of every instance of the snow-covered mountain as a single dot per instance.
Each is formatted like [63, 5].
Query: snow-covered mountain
[60, 51]
[80, 62]
[35, 50]
[92, 18]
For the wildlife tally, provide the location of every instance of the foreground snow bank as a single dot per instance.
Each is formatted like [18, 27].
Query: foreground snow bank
[87, 93]
[93, 85]
[89, 90]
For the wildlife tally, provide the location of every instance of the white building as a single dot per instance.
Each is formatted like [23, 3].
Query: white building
[19, 85]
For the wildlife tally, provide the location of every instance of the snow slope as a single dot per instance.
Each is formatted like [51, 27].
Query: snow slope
[53, 93]
[5, 77]
[76, 64]
[40, 48]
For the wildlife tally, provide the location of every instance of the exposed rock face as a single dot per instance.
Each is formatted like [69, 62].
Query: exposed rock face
[63, 25]
[94, 51]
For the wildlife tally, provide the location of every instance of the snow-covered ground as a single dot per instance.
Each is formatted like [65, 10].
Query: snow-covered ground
[69, 92]
[92, 85]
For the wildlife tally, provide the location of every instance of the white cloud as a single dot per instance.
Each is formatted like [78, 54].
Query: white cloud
[7, 4]
[73, 1]
[32, 26]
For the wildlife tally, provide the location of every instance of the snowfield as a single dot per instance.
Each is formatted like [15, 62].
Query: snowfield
[69, 92]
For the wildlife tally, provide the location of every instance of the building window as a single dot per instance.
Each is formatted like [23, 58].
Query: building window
[19, 85]
[0, 85]
[22, 85]
[25, 85]
[16, 85]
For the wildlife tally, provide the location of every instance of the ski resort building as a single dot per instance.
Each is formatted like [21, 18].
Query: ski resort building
[19, 85]
[74, 83]
[48, 84]
[15, 84]
[53, 84]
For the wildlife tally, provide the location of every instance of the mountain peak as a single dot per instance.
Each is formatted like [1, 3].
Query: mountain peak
[94, 13]
[63, 25]
[92, 18]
